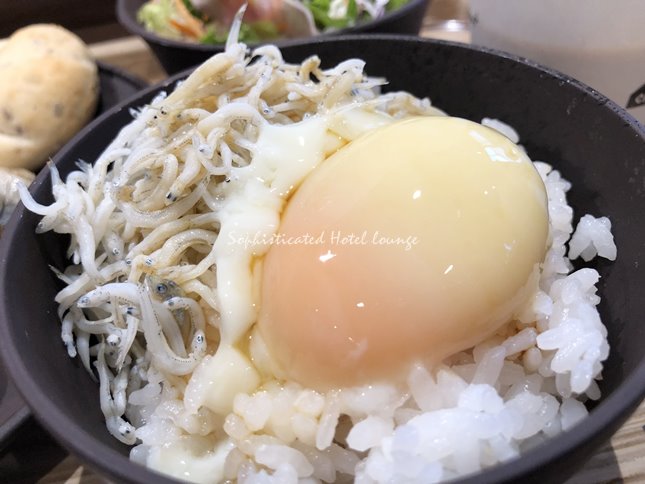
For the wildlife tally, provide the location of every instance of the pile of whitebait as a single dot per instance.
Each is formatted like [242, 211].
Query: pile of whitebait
[142, 301]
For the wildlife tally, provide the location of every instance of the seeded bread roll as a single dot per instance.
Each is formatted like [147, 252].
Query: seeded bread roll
[48, 91]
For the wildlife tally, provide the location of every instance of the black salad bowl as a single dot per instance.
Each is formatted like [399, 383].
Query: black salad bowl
[177, 55]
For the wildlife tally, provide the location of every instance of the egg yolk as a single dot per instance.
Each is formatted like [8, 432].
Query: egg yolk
[413, 242]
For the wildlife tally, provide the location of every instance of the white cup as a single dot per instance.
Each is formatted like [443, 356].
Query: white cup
[599, 42]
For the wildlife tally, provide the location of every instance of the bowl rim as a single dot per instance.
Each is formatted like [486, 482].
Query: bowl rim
[133, 26]
[610, 412]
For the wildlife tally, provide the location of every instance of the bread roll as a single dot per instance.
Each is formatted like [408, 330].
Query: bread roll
[48, 90]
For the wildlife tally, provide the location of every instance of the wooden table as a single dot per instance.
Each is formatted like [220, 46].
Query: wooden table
[620, 460]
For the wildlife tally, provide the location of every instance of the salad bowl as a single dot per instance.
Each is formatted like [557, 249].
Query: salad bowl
[176, 55]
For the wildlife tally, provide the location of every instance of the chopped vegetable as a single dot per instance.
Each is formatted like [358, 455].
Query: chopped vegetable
[181, 19]
[324, 13]
[193, 11]
[250, 32]
[394, 4]
[186, 22]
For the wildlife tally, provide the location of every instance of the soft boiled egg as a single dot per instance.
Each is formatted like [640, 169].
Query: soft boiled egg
[411, 243]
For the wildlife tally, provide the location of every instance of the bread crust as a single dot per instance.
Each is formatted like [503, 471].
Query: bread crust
[49, 89]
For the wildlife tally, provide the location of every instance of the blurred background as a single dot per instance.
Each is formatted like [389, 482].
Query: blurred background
[95, 21]
[600, 43]
[92, 20]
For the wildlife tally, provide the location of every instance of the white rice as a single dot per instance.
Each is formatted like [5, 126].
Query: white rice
[592, 237]
[503, 128]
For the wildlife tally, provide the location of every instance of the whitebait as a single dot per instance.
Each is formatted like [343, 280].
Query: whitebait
[141, 295]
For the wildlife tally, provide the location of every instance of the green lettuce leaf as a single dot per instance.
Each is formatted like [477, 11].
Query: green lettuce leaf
[320, 12]
[193, 11]
[155, 17]
[250, 33]
[394, 4]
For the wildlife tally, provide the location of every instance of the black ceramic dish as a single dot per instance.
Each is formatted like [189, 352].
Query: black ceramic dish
[116, 86]
[588, 138]
[176, 55]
